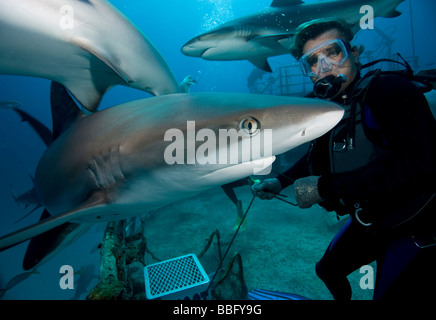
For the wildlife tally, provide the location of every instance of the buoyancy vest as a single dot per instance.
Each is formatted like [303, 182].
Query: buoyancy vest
[357, 140]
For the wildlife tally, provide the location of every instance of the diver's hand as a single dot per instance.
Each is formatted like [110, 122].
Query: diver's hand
[267, 189]
[186, 84]
[306, 191]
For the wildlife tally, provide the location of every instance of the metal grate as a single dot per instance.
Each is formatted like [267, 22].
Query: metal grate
[173, 275]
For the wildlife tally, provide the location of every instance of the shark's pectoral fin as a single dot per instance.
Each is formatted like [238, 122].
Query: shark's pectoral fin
[280, 42]
[49, 223]
[105, 72]
[89, 94]
[261, 63]
[105, 57]
[47, 244]
[286, 42]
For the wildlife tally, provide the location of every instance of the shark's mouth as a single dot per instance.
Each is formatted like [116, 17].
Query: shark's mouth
[205, 54]
[238, 171]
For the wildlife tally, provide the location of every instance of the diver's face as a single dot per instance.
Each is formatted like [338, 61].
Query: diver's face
[348, 68]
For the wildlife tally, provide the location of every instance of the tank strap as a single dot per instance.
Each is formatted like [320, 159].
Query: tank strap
[357, 96]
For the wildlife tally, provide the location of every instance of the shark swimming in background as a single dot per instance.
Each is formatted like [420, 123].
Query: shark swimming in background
[29, 198]
[87, 45]
[269, 33]
[111, 165]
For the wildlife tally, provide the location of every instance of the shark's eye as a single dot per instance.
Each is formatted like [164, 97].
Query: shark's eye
[250, 126]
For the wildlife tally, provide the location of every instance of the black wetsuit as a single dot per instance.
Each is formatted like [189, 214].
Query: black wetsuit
[399, 121]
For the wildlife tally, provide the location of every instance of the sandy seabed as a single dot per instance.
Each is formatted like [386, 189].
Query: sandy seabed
[279, 246]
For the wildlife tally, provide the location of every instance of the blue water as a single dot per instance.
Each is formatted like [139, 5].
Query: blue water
[168, 24]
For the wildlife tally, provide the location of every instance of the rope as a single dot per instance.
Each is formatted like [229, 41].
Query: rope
[231, 242]
[236, 233]
[288, 202]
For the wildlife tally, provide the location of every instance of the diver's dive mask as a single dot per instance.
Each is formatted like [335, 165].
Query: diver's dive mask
[323, 57]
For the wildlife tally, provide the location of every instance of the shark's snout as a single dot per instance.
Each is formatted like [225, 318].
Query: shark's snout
[193, 48]
[322, 123]
[307, 123]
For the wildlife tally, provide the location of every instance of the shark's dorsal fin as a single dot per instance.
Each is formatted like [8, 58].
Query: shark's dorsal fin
[63, 109]
[284, 3]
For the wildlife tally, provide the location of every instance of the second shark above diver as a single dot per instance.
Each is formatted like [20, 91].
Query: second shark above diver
[269, 33]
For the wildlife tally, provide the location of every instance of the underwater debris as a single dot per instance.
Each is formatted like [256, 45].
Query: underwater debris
[136, 244]
[122, 266]
[232, 285]
[112, 280]
[135, 274]
[86, 276]
[122, 263]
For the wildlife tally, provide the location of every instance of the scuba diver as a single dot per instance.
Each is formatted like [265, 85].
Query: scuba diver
[377, 165]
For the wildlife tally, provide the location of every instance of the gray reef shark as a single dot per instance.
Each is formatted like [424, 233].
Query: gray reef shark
[86, 45]
[117, 163]
[269, 33]
[29, 198]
